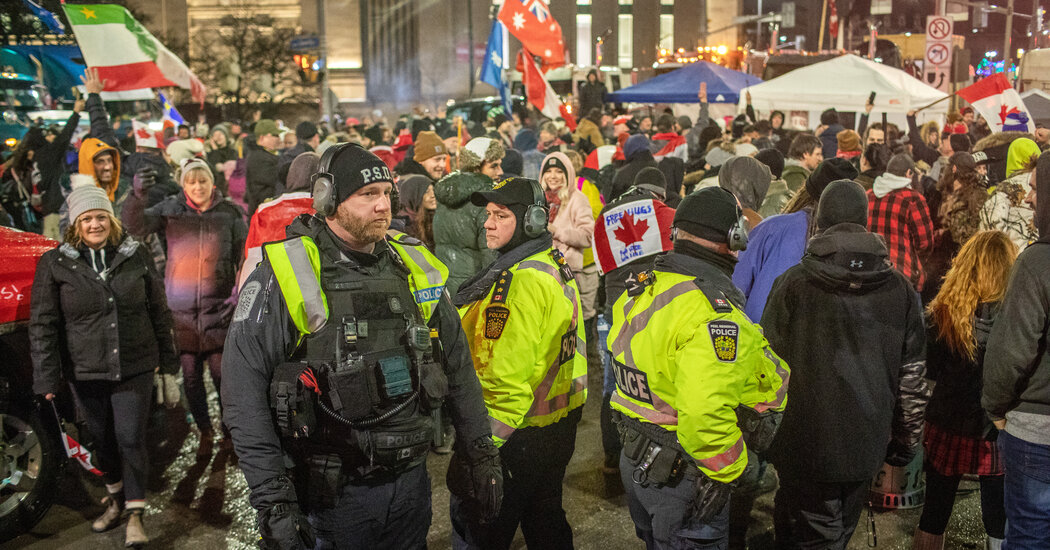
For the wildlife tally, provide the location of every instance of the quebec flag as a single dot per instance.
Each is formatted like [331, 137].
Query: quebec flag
[492, 66]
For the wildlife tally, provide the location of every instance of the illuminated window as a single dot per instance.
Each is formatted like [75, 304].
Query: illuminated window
[584, 55]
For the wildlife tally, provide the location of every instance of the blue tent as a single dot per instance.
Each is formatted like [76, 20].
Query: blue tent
[682, 85]
[62, 66]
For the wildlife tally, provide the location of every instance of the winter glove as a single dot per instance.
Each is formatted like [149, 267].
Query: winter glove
[898, 455]
[284, 527]
[709, 498]
[475, 475]
[143, 180]
[168, 391]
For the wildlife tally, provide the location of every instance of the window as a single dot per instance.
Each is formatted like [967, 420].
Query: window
[584, 55]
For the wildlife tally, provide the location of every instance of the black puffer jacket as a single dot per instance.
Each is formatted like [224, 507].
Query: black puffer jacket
[205, 250]
[956, 402]
[459, 227]
[624, 178]
[109, 328]
[855, 341]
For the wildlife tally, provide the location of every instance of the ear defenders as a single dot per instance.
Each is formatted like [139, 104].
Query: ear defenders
[535, 221]
[323, 182]
[738, 233]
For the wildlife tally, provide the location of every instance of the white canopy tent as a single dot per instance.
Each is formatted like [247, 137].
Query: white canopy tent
[845, 83]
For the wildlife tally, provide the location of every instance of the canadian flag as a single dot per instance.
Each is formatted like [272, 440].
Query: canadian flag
[674, 146]
[531, 22]
[999, 104]
[144, 137]
[632, 230]
[539, 91]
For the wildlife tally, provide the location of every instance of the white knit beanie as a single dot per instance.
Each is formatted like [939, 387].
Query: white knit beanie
[85, 196]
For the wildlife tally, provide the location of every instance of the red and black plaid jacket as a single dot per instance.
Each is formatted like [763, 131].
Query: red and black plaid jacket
[903, 219]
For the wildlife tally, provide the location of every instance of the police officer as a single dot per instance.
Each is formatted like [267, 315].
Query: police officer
[697, 387]
[342, 343]
[524, 327]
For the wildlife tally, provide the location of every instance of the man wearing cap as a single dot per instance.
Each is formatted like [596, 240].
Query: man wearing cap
[342, 343]
[851, 326]
[524, 326]
[698, 389]
[429, 157]
[261, 165]
[307, 141]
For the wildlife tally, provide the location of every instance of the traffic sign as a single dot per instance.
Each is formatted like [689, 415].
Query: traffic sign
[938, 54]
[305, 43]
[939, 77]
[938, 28]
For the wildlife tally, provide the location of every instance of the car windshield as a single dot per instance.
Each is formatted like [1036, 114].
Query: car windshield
[19, 95]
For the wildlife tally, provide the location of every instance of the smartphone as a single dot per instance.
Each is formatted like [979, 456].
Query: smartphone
[871, 99]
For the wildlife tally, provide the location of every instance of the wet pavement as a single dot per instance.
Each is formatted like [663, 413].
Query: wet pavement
[203, 502]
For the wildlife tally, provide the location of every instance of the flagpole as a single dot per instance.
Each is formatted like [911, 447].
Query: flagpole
[935, 102]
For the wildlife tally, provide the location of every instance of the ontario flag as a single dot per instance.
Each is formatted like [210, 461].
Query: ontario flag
[126, 55]
[531, 22]
[999, 103]
[632, 230]
[539, 92]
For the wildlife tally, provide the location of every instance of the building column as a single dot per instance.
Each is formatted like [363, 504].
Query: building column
[687, 16]
[646, 32]
[604, 16]
[564, 12]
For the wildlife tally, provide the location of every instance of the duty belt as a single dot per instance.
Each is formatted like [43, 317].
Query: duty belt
[655, 453]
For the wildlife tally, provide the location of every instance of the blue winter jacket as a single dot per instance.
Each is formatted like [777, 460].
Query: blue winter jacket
[775, 244]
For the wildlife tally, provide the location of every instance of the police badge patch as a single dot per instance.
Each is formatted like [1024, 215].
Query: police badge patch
[495, 320]
[246, 300]
[724, 336]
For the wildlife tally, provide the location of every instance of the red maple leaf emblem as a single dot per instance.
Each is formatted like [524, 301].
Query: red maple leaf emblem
[1003, 113]
[142, 133]
[630, 231]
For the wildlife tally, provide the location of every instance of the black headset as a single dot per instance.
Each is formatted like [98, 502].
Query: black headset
[324, 182]
[535, 222]
[738, 233]
[736, 238]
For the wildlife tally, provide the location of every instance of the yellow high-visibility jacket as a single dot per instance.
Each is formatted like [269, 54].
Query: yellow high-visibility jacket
[684, 361]
[527, 341]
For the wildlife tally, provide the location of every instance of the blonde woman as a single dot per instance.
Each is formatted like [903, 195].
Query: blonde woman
[98, 301]
[960, 439]
[571, 221]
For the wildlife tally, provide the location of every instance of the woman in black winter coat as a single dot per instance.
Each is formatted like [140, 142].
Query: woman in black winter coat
[204, 235]
[960, 439]
[99, 320]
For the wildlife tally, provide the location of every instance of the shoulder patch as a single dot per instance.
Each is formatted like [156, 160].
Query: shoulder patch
[719, 302]
[69, 251]
[246, 300]
[499, 295]
[495, 321]
[724, 339]
[127, 248]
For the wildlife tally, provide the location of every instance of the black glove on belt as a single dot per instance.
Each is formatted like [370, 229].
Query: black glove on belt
[284, 527]
[710, 497]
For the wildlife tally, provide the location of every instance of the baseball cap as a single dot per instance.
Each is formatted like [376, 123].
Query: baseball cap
[510, 191]
[266, 126]
[622, 119]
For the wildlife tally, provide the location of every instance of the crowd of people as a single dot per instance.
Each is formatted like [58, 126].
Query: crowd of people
[878, 262]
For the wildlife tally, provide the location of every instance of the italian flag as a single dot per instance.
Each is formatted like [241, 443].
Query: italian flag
[125, 54]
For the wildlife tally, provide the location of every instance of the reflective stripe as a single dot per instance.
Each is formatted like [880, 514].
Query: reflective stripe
[661, 418]
[778, 401]
[500, 429]
[542, 402]
[723, 459]
[427, 275]
[622, 343]
[297, 266]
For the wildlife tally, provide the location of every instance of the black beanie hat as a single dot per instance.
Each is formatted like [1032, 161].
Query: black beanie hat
[828, 171]
[960, 143]
[374, 133]
[843, 201]
[772, 158]
[513, 163]
[353, 167]
[651, 179]
[708, 213]
[305, 130]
